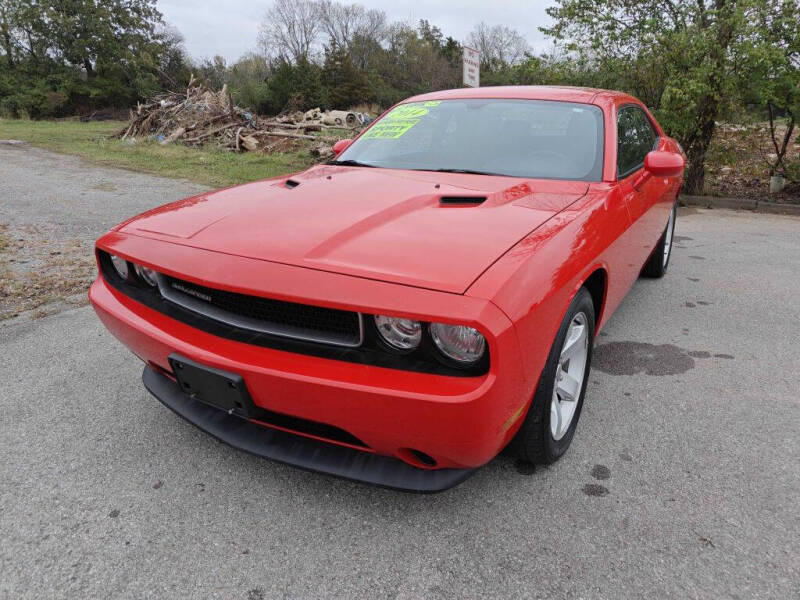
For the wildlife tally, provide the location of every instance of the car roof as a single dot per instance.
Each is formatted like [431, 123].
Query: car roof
[527, 92]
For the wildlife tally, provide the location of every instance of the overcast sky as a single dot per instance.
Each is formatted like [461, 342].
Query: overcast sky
[230, 28]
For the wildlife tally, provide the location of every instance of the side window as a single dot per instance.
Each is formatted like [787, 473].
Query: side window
[635, 138]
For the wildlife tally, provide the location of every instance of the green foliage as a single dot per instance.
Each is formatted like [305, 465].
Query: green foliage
[771, 55]
[691, 62]
[72, 56]
[411, 61]
[35, 98]
[414, 61]
[346, 85]
[301, 83]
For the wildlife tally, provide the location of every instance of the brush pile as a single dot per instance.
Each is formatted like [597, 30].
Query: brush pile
[202, 116]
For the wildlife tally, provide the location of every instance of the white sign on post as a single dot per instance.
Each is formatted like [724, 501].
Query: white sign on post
[472, 67]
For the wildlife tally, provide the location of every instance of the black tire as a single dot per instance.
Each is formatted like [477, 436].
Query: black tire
[656, 265]
[534, 441]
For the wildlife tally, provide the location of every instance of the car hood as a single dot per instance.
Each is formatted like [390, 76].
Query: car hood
[416, 228]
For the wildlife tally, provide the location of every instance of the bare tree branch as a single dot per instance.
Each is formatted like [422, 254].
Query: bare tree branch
[499, 46]
[290, 30]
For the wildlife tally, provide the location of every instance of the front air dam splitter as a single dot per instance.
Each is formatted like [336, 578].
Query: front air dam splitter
[297, 450]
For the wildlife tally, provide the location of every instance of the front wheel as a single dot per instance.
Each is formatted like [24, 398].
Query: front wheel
[658, 262]
[553, 414]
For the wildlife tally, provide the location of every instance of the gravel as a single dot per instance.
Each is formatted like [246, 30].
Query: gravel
[72, 198]
[683, 479]
[53, 209]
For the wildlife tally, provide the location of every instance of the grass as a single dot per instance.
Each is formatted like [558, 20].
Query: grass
[37, 274]
[209, 166]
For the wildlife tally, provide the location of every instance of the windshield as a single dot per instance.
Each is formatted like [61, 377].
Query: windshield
[519, 138]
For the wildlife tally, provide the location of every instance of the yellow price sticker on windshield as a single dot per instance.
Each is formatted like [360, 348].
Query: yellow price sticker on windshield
[390, 129]
[407, 111]
[402, 118]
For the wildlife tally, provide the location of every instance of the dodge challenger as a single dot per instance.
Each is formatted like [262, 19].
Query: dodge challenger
[406, 311]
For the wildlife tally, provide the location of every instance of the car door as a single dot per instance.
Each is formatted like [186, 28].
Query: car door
[636, 136]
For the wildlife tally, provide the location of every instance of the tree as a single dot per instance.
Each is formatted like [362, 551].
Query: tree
[452, 52]
[91, 32]
[365, 52]
[174, 64]
[247, 79]
[413, 63]
[76, 54]
[772, 59]
[290, 30]
[214, 71]
[346, 85]
[294, 31]
[344, 23]
[682, 53]
[500, 46]
[430, 34]
[7, 44]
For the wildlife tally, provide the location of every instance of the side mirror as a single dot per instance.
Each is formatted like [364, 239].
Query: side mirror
[659, 164]
[664, 164]
[341, 146]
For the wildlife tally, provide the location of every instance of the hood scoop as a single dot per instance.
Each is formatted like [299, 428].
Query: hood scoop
[462, 200]
[291, 183]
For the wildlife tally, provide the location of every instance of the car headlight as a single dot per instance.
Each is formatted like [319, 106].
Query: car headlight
[120, 266]
[462, 344]
[400, 334]
[147, 275]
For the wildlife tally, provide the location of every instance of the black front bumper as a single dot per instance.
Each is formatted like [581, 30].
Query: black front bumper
[297, 450]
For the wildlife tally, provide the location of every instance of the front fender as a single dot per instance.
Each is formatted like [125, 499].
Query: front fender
[535, 281]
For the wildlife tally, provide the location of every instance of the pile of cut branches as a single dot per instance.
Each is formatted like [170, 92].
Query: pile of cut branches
[201, 116]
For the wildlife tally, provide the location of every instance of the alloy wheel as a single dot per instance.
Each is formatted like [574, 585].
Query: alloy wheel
[570, 372]
[668, 236]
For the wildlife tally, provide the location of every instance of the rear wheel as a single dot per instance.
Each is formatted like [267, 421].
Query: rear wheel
[658, 262]
[553, 414]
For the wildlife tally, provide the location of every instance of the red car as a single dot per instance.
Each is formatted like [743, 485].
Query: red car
[401, 314]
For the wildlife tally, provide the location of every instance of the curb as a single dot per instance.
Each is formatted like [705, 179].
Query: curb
[762, 206]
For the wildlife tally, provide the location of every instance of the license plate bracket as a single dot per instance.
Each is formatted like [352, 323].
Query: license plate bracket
[221, 389]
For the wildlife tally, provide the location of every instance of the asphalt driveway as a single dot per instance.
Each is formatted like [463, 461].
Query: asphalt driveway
[683, 480]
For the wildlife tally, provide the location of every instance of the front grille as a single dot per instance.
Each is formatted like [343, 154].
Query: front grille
[265, 315]
[286, 326]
